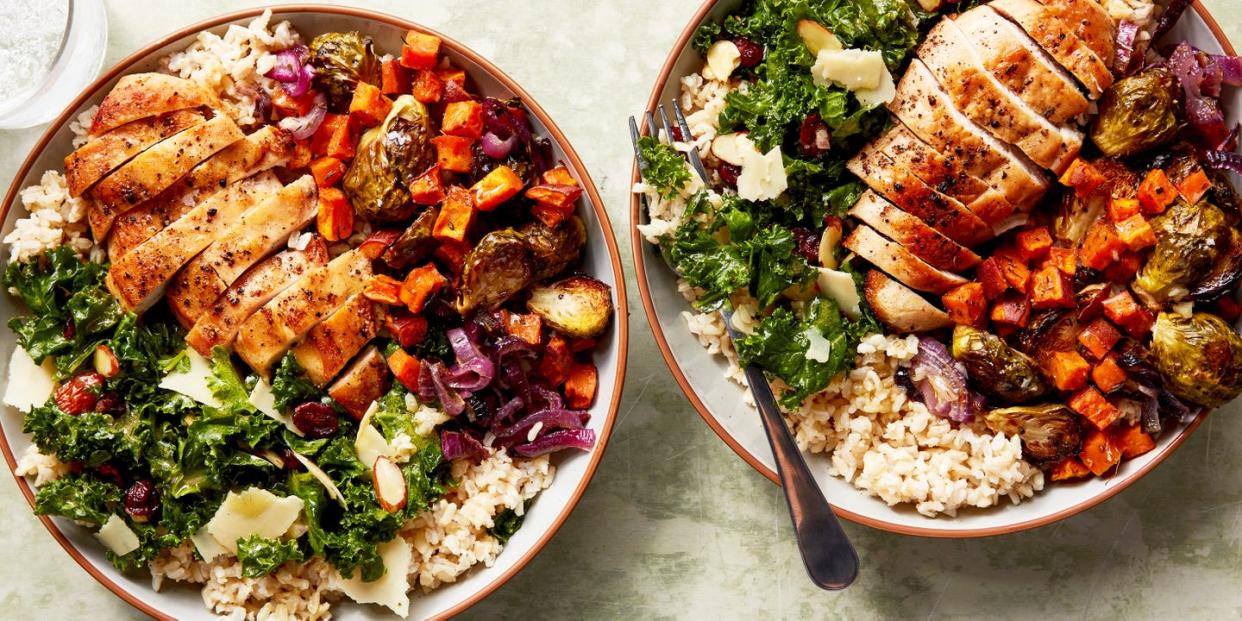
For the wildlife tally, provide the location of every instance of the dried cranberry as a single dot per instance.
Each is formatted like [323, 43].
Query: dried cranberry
[142, 500]
[806, 243]
[729, 173]
[109, 472]
[315, 419]
[69, 331]
[291, 462]
[675, 132]
[752, 53]
[813, 136]
[111, 403]
[79, 394]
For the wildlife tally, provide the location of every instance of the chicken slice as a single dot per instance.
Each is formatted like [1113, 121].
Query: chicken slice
[157, 168]
[921, 240]
[329, 345]
[366, 380]
[1089, 22]
[263, 150]
[978, 94]
[252, 237]
[274, 328]
[897, 261]
[141, 95]
[138, 279]
[899, 308]
[104, 154]
[942, 213]
[219, 324]
[1065, 47]
[1023, 67]
[928, 112]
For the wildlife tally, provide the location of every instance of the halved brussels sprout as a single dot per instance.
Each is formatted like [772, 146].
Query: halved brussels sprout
[1075, 216]
[342, 60]
[1049, 433]
[1224, 275]
[1138, 114]
[388, 157]
[578, 306]
[415, 243]
[1199, 356]
[995, 368]
[495, 270]
[1190, 239]
[554, 249]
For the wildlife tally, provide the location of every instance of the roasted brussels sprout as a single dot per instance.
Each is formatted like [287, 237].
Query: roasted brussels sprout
[1048, 332]
[1190, 239]
[1224, 275]
[1075, 216]
[1184, 159]
[1138, 114]
[388, 157]
[1199, 356]
[578, 306]
[495, 270]
[1049, 433]
[554, 249]
[342, 60]
[995, 368]
[415, 243]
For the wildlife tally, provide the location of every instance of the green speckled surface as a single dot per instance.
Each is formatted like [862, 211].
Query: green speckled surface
[675, 525]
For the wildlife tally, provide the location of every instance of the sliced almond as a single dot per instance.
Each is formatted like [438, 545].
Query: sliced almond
[106, 363]
[731, 148]
[816, 37]
[722, 58]
[389, 482]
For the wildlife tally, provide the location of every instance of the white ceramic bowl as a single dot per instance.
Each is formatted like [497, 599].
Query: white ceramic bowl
[601, 260]
[721, 402]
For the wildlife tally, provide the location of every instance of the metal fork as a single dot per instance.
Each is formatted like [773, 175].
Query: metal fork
[826, 551]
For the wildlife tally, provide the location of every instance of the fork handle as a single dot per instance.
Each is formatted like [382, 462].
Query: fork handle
[826, 551]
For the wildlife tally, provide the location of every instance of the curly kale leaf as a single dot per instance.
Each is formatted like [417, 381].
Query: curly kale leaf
[261, 555]
[78, 497]
[663, 168]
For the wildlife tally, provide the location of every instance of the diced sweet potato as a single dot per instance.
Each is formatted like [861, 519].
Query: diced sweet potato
[369, 106]
[455, 215]
[1099, 453]
[427, 87]
[559, 175]
[341, 142]
[1064, 259]
[1016, 273]
[421, 51]
[420, 284]
[1133, 441]
[1083, 177]
[287, 105]
[966, 304]
[1156, 192]
[1068, 469]
[1135, 232]
[327, 171]
[452, 254]
[428, 188]
[1069, 370]
[323, 135]
[1122, 270]
[454, 81]
[463, 118]
[526, 326]
[581, 385]
[453, 153]
[992, 278]
[1013, 309]
[394, 79]
[1094, 407]
[1102, 246]
[1033, 244]
[383, 289]
[1194, 186]
[1051, 288]
[1128, 315]
[495, 188]
[1121, 208]
[1108, 375]
[407, 328]
[563, 197]
[1098, 338]
[405, 368]
[377, 242]
[335, 218]
[556, 361]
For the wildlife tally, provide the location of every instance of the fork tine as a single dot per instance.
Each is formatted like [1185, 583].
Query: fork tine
[638, 155]
[651, 127]
[686, 136]
[668, 129]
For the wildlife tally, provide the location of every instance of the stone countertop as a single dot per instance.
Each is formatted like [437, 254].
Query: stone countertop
[686, 529]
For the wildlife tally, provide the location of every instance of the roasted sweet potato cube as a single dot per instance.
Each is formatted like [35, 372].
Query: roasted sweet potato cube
[1094, 407]
[1108, 375]
[1084, 178]
[1033, 244]
[288, 105]
[1012, 309]
[1098, 338]
[427, 87]
[1102, 246]
[559, 175]
[407, 328]
[1156, 192]
[428, 188]
[383, 289]
[1051, 288]
[327, 171]
[1068, 469]
[1016, 273]
[1121, 208]
[1064, 259]
[966, 304]
[454, 81]
[369, 106]
[419, 285]
[1122, 270]
[1135, 232]
[1133, 441]
[1128, 315]
[451, 254]
[455, 215]
[377, 242]
[556, 361]
[421, 51]
[992, 278]
[551, 216]
[453, 153]
[394, 79]
[562, 197]
[581, 385]
[323, 136]
[1194, 186]
[526, 326]
[463, 118]
[1099, 453]
[335, 218]
[405, 368]
[1069, 370]
[495, 188]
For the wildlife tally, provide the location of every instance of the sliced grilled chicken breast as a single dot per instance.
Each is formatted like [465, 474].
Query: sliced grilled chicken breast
[1090, 22]
[1065, 47]
[942, 213]
[157, 168]
[895, 260]
[141, 95]
[366, 380]
[104, 154]
[265, 149]
[275, 327]
[219, 324]
[329, 345]
[1022, 66]
[921, 240]
[253, 236]
[977, 93]
[899, 308]
[928, 112]
[138, 279]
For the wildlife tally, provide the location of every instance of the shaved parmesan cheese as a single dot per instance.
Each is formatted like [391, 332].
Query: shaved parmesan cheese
[370, 444]
[193, 383]
[763, 175]
[323, 478]
[207, 546]
[851, 69]
[841, 288]
[391, 589]
[255, 511]
[30, 384]
[879, 95]
[820, 348]
[722, 58]
[264, 401]
[117, 536]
